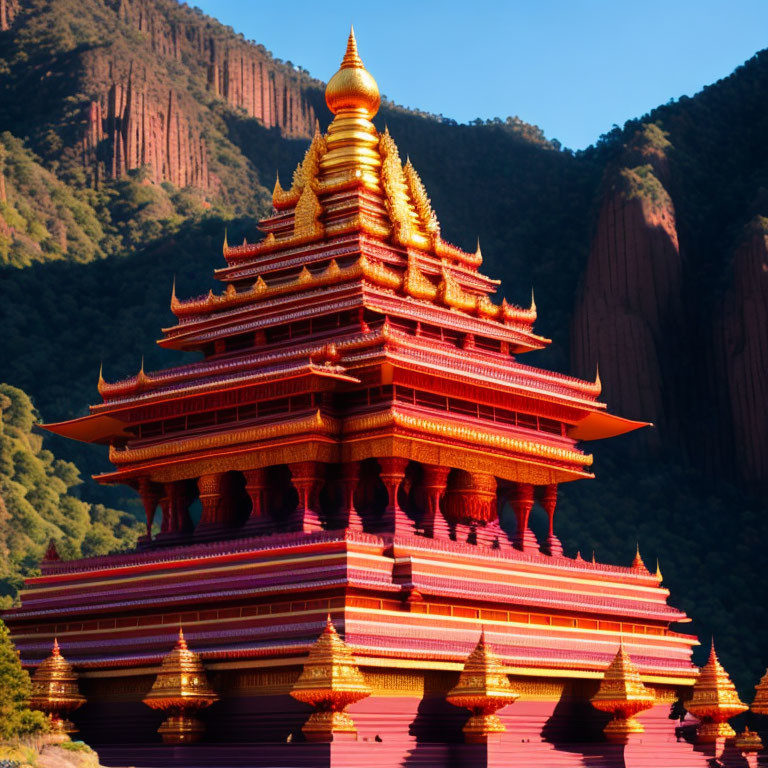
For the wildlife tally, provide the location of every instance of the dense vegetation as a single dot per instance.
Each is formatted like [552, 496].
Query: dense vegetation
[15, 718]
[101, 291]
[36, 505]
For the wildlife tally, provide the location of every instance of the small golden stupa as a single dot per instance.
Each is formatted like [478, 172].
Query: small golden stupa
[623, 695]
[55, 691]
[760, 704]
[714, 701]
[748, 741]
[483, 689]
[181, 690]
[330, 682]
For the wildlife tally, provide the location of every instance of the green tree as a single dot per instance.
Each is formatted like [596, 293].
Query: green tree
[16, 719]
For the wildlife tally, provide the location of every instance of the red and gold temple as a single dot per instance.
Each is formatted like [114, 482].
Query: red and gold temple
[329, 477]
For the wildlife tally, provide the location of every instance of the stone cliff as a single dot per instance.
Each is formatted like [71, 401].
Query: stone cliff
[148, 96]
[629, 308]
[741, 352]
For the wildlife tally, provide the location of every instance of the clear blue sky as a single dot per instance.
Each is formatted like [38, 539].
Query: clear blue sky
[573, 67]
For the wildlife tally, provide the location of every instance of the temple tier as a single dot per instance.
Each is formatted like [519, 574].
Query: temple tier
[356, 422]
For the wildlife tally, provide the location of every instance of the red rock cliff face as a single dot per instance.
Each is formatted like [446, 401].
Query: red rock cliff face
[741, 346]
[631, 297]
[147, 104]
[241, 73]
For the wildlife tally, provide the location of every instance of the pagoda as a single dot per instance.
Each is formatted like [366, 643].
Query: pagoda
[356, 418]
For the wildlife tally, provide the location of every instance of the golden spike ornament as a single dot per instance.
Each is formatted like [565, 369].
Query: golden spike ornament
[760, 704]
[714, 701]
[483, 689]
[623, 695]
[181, 690]
[55, 692]
[330, 682]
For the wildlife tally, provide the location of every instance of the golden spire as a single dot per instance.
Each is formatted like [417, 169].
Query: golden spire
[55, 692]
[637, 563]
[330, 681]
[353, 88]
[533, 302]
[226, 244]
[760, 704]
[483, 688]
[180, 690]
[623, 695]
[714, 701]
[352, 140]
[658, 575]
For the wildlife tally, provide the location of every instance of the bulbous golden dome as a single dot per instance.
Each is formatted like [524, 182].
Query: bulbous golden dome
[353, 86]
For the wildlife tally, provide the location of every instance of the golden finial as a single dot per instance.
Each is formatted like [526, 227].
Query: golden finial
[225, 247]
[593, 556]
[55, 691]
[748, 741]
[637, 562]
[175, 303]
[352, 88]
[141, 378]
[598, 382]
[714, 701]
[623, 695]
[760, 704]
[277, 191]
[658, 575]
[478, 252]
[101, 386]
[180, 690]
[533, 302]
[330, 682]
[483, 689]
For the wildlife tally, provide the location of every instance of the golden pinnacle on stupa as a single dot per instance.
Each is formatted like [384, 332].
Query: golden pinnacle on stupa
[760, 704]
[483, 689]
[637, 562]
[180, 690]
[330, 681]
[748, 741]
[714, 701]
[623, 695]
[55, 692]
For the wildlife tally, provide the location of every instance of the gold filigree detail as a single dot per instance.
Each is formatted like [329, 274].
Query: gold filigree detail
[306, 221]
[330, 682]
[55, 692]
[305, 175]
[450, 293]
[714, 701]
[180, 690]
[421, 201]
[623, 695]
[483, 689]
[456, 431]
[415, 283]
[318, 422]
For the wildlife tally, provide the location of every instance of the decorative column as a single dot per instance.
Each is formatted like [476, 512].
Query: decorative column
[150, 496]
[55, 692]
[392, 475]
[330, 682]
[350, 477]
[179, 521]
[211, 488]
[435, 480]
[521, 499]
[307, 479]
[548, 500]
[623, 695]
[258, 522]
[483, 689]
[714, 701]
[181, 690]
